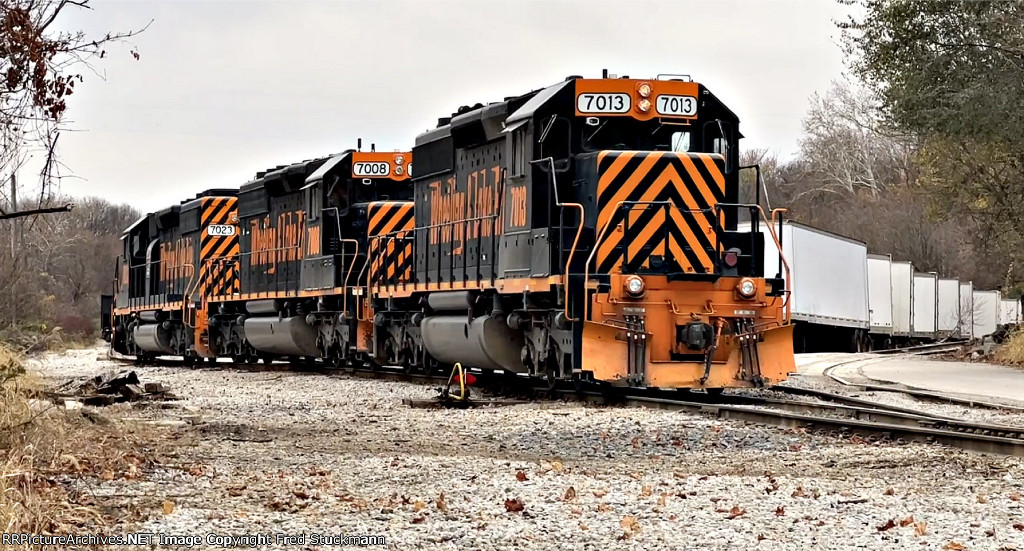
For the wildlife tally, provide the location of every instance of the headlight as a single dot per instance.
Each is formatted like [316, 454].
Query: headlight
[644, 89]
[399, 170]
[643, 105]
[399, 159]
[747, 288]
[635, 285]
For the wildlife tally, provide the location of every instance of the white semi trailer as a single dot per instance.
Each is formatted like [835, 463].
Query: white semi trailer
[926, 299]
[902, 299]
[1009, 311]
[948, 314]
[829, 284]
[965, 326]
[880, 308]
[986, 313]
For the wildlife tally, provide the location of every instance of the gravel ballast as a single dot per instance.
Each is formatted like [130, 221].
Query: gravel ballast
[298, 453]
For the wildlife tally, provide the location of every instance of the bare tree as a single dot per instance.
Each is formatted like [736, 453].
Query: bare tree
[40, 67]
[39, 70]
[847, 147]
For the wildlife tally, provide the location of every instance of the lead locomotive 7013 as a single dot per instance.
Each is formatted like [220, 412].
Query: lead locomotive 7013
[587, 230]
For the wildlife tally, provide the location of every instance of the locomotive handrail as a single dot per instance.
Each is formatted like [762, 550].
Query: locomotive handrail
[360, 304]
[597, 245]
[239, 255]
[782, 257]
[186, 299]
[158, 263]
[365, 269]
[604, 230]
[348, 274]
[575, 242]
[778, 244]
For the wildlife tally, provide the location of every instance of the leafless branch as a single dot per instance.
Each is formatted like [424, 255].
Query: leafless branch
[33, 212]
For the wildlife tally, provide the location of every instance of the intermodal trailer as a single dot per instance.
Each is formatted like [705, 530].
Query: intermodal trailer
[986, 313]
[829, 282]
[1009, 311]
[925, 302]
[965, 330]
[880, 308]
[948, 318]
[902, 299]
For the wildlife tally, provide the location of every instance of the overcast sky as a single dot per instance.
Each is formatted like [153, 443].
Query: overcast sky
[226, 88]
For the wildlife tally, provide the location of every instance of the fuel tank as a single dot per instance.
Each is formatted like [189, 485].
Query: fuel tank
[153, 338]
[288, 336]
[485, 342]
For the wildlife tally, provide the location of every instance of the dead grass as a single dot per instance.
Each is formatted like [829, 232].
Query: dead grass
[47, 452]
[1011, 352]
[36, 338]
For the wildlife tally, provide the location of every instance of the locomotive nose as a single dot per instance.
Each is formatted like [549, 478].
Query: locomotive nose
[658, 211]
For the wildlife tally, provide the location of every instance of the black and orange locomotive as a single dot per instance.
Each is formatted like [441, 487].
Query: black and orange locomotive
[586, 230]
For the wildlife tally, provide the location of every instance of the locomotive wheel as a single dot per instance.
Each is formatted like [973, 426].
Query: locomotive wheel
[551, 378]
[405, 361]
[350, 365]
[334, 357]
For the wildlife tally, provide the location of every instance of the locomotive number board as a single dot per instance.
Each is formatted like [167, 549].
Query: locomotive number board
[603, 103]
[396, 165]
[640, 99]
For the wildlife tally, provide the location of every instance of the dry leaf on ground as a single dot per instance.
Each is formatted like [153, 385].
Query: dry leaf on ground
[735, 512]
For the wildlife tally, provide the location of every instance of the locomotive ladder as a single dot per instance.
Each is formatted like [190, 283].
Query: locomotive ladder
[636, 349]
[750, 360]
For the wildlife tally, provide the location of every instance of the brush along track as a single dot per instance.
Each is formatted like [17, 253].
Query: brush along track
[874, 421]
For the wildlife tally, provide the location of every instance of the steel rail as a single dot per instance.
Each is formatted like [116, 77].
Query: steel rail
[985, 443]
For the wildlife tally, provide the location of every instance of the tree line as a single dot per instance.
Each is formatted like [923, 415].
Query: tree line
[53, 269]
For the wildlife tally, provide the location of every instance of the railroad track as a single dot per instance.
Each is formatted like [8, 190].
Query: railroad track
[873, 424]
[833, 414]
[920, 393]
[925, 349]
